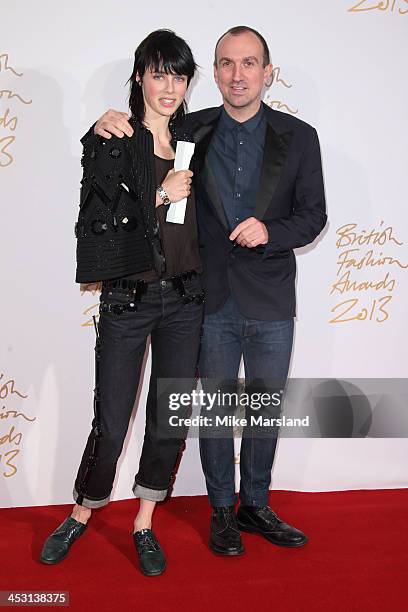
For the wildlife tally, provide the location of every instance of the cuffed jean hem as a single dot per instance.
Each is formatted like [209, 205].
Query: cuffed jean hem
[150, 494]
[91, 503]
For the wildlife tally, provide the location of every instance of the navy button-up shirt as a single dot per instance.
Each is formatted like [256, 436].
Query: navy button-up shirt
[235, 158]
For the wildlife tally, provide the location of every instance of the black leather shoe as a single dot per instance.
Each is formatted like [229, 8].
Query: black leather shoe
[262, 520]
[151, 557]
[57, 545]
[225, 538]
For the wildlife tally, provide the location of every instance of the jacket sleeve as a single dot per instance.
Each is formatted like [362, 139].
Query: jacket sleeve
[110, 231]
[106, 168]
[106, 174]
[309, 207]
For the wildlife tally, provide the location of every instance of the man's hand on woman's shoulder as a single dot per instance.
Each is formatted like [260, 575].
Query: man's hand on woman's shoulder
[113, 122]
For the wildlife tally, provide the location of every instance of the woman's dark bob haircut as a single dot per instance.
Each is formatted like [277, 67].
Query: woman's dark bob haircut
[161, 50]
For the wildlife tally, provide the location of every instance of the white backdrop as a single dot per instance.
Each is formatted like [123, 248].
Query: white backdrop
[62, 64]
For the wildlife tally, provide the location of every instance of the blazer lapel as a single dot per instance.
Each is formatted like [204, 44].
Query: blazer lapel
[275, 153]
[202, 137]
[203, 132]
[210, 185]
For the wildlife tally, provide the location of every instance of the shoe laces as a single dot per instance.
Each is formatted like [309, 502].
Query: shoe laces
[269, 512]
[229, 516]
[146, 540]
[68, 532]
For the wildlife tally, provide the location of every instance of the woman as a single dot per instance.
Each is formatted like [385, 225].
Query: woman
[150, 272]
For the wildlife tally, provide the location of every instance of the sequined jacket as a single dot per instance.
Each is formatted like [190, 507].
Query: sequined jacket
[117, 230]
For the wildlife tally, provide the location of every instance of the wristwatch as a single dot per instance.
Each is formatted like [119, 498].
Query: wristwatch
[163, 195]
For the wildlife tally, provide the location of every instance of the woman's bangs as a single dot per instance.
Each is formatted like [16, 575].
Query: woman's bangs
[171, 63]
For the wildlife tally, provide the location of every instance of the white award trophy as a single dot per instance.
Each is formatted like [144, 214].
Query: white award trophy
[184, 153]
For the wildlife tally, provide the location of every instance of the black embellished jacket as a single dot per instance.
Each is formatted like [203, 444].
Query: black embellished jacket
[117, 230]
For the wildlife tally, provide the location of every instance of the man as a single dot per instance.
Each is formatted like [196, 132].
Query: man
[260, 194]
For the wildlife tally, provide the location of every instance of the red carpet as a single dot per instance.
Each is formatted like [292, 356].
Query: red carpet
[356, 559]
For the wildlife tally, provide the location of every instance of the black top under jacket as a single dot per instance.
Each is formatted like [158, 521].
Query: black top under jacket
[179, 240]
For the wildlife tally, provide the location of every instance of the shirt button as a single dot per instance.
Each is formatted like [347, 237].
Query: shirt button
[237, 195]
[241, 142]
[163, 283]
[240, 168]
[236, 218]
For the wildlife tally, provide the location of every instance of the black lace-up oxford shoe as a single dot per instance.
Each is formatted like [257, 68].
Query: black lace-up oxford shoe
[262, 520]
[225, 538]
[57, 545]
[151, 557]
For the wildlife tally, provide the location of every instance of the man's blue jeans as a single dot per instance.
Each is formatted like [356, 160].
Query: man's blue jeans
[266, 347]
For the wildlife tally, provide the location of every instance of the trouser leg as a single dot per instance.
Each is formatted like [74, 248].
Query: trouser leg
[220, 356]
[174, 349]
[267, 350]
[122, 342]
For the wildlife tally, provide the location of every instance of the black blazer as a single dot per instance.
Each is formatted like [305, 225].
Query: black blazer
[290, 202]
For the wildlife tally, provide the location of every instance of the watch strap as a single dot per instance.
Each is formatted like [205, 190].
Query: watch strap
[163, 194]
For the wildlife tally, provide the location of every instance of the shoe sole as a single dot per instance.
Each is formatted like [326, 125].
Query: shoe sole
[223, 553]
[261, 533]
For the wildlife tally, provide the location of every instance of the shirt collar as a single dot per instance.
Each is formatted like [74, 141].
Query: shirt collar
[249, 125]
